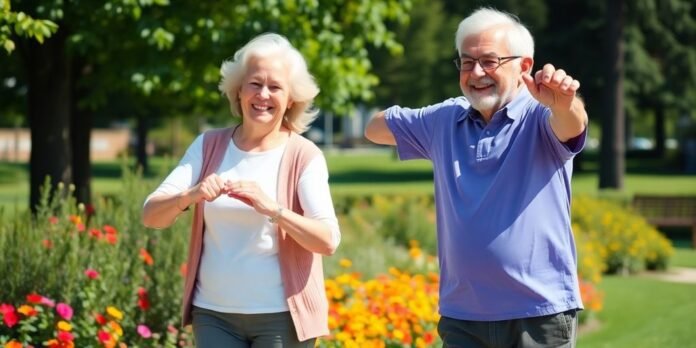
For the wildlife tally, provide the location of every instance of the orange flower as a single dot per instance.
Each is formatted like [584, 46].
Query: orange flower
[13, 344]
[182, 269]
[146, 257]
[27, 310]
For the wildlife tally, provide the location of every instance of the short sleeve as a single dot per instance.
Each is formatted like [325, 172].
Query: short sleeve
[186, 173]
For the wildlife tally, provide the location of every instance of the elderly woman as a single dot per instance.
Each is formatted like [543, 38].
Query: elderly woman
[263, 213]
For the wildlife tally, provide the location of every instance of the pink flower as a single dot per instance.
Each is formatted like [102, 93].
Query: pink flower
[53, 220]
[144, 331]
[91, 274]
[47, 302]
[6, 308]
[65, 311]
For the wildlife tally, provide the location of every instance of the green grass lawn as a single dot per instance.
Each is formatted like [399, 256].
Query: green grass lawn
[642, 312]
[374, 171]
[684, 257]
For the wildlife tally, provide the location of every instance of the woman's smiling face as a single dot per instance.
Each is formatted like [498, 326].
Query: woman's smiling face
[265, 92]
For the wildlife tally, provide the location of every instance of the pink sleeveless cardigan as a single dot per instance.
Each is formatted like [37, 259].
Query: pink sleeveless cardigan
[301, 270]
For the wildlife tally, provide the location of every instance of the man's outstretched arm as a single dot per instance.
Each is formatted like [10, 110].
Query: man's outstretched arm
[378, 132]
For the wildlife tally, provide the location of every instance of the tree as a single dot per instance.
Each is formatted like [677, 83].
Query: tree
[612, 150]
[163, 58]
[661, 62]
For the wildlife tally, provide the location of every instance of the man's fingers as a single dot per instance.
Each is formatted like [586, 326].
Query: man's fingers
[547, 73]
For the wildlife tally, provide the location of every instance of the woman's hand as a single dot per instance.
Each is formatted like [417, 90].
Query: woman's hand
[208, 189]
[250, 193]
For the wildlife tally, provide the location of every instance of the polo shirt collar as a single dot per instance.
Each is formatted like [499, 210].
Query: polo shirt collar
[513, 110]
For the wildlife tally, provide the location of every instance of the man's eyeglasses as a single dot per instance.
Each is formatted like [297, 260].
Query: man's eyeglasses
[487, 63]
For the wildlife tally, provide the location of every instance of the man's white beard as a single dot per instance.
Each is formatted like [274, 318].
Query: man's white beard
[484, 103]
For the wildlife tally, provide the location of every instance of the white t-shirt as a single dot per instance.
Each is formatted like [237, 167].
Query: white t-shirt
[239, 270]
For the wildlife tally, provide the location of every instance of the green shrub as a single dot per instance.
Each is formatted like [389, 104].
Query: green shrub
[93, 258]
[627, 242]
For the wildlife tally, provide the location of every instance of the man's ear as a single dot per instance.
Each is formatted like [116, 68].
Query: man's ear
[527, 64]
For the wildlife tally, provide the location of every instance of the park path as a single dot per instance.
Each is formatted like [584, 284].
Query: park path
[674, 274]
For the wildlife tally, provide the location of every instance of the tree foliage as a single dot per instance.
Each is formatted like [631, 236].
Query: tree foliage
[150, 58]
[23, 25]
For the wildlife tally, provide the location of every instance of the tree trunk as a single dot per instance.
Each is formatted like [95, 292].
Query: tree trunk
[612, 151]
[48, 74]
[141, 143]
[660, 132]
[81, 130]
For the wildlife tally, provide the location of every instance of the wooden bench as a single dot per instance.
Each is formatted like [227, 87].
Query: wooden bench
[668, 211]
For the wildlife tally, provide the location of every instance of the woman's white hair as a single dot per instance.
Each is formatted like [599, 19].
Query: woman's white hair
[303, 88]
[519, 40]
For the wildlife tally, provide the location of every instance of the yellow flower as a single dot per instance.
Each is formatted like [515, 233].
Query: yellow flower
[345, 263]
[114, 312]
[415, 252]
[398, 334]
[64, 326]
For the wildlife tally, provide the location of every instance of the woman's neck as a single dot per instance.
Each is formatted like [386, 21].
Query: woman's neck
[259, 140]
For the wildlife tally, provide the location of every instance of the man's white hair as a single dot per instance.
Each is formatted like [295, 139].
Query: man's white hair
[519, 40]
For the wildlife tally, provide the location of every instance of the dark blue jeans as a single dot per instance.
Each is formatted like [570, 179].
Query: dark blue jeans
[213, 329]
[556, 330]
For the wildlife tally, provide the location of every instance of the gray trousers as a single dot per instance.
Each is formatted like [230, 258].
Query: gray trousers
[556, 330]
[213, 329]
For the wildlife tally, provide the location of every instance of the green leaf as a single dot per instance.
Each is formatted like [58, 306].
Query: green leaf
[8, 45]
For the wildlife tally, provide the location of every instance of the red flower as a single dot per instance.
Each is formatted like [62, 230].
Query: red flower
[34, 298]
[95, 233]
[429, 338]
[103, 336]
[89, 209]
[111, 239]
[53, 220]
[109, 229]
[9, 316]
[99, 319]
[65, 336]
[91, 274]
[47, 243]
[143, 301]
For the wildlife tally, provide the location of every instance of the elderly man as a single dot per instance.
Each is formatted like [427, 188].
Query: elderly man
[502, 158]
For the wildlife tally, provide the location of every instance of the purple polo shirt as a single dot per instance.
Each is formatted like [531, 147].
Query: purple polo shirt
[502, 195]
